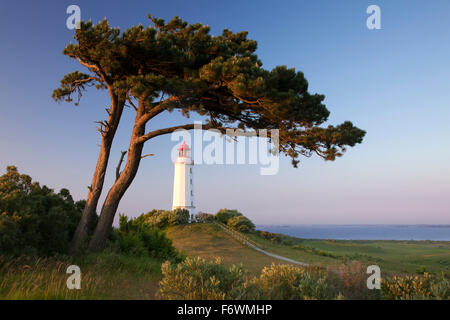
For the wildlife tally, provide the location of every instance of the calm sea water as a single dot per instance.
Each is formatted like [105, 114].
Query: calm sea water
[363, 232]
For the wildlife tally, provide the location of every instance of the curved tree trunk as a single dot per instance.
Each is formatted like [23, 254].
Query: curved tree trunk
[95, 189]
[117, 191]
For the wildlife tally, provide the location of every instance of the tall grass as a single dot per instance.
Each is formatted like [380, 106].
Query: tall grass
[106, 275]
[44, 278]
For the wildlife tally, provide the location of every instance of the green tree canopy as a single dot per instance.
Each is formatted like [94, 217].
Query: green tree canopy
[241, 224]
[33, 218]
[180, 65]
[224, 214]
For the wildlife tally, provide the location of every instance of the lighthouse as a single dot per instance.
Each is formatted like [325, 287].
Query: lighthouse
[183, 188]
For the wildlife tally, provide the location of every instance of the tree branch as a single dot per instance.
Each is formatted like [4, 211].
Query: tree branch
[120, 164]
[87, 65]
[131, 103]
[156, 110]
[160, 132]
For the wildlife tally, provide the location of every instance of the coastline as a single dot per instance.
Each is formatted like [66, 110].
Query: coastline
[355, 232]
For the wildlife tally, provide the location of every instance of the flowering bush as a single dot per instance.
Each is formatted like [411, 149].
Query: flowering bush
[196, 278]
[350, 280]
[416, 287]
[287, 282]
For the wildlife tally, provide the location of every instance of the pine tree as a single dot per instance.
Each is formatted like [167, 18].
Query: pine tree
[180, 66]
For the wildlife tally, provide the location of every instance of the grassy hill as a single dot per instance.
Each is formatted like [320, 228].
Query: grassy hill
[210, 242]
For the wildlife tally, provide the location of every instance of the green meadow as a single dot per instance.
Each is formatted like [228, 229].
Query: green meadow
[209, 241]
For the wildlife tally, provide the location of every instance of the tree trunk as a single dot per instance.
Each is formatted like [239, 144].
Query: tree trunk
[117, 191]
[95, 189]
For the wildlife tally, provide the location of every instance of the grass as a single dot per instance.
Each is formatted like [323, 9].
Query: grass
[103, 276]
[209, 241]
[391, 256]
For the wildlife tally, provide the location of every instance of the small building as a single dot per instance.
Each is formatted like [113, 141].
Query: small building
[183, 187]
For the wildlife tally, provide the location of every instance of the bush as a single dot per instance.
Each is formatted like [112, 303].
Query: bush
[137, 239]
[416, 287]
[241, 224]
[34, 219]
[224, 214]
[205, 217]
[268, 236]
[277, 237]
[10, 232]
[286, 282]
[350, 280]
[198, 279]
[164, 218]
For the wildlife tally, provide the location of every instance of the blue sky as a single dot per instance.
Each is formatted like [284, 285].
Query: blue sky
[393, 82]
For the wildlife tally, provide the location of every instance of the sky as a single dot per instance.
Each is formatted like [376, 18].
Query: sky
[393, 82]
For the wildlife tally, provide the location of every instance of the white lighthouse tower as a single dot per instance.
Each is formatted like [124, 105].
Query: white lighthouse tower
[183, 188]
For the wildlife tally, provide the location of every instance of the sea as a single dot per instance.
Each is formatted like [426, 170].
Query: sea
[363, 232]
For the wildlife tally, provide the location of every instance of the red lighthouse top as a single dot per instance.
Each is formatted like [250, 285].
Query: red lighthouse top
[184, 146]
[184, 151]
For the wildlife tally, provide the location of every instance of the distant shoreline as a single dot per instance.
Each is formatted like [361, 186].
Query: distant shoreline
[394, 232]
[357, 224]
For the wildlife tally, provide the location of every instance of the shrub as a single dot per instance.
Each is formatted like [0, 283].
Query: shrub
[164, 218]
[201, 279]
[241, 224]
[421, 270]
[224, 214]
[205, 217]
[350, 280]
[178, 217]
[268, 236]
[278, 238]
[198, 279]
[35, 219]
[416, 287]
[286, 282]
[137, 239]
[9, 232]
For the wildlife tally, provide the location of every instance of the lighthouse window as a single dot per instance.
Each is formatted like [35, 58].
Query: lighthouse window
[192, 193]
[191, 181]
[190, 170]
